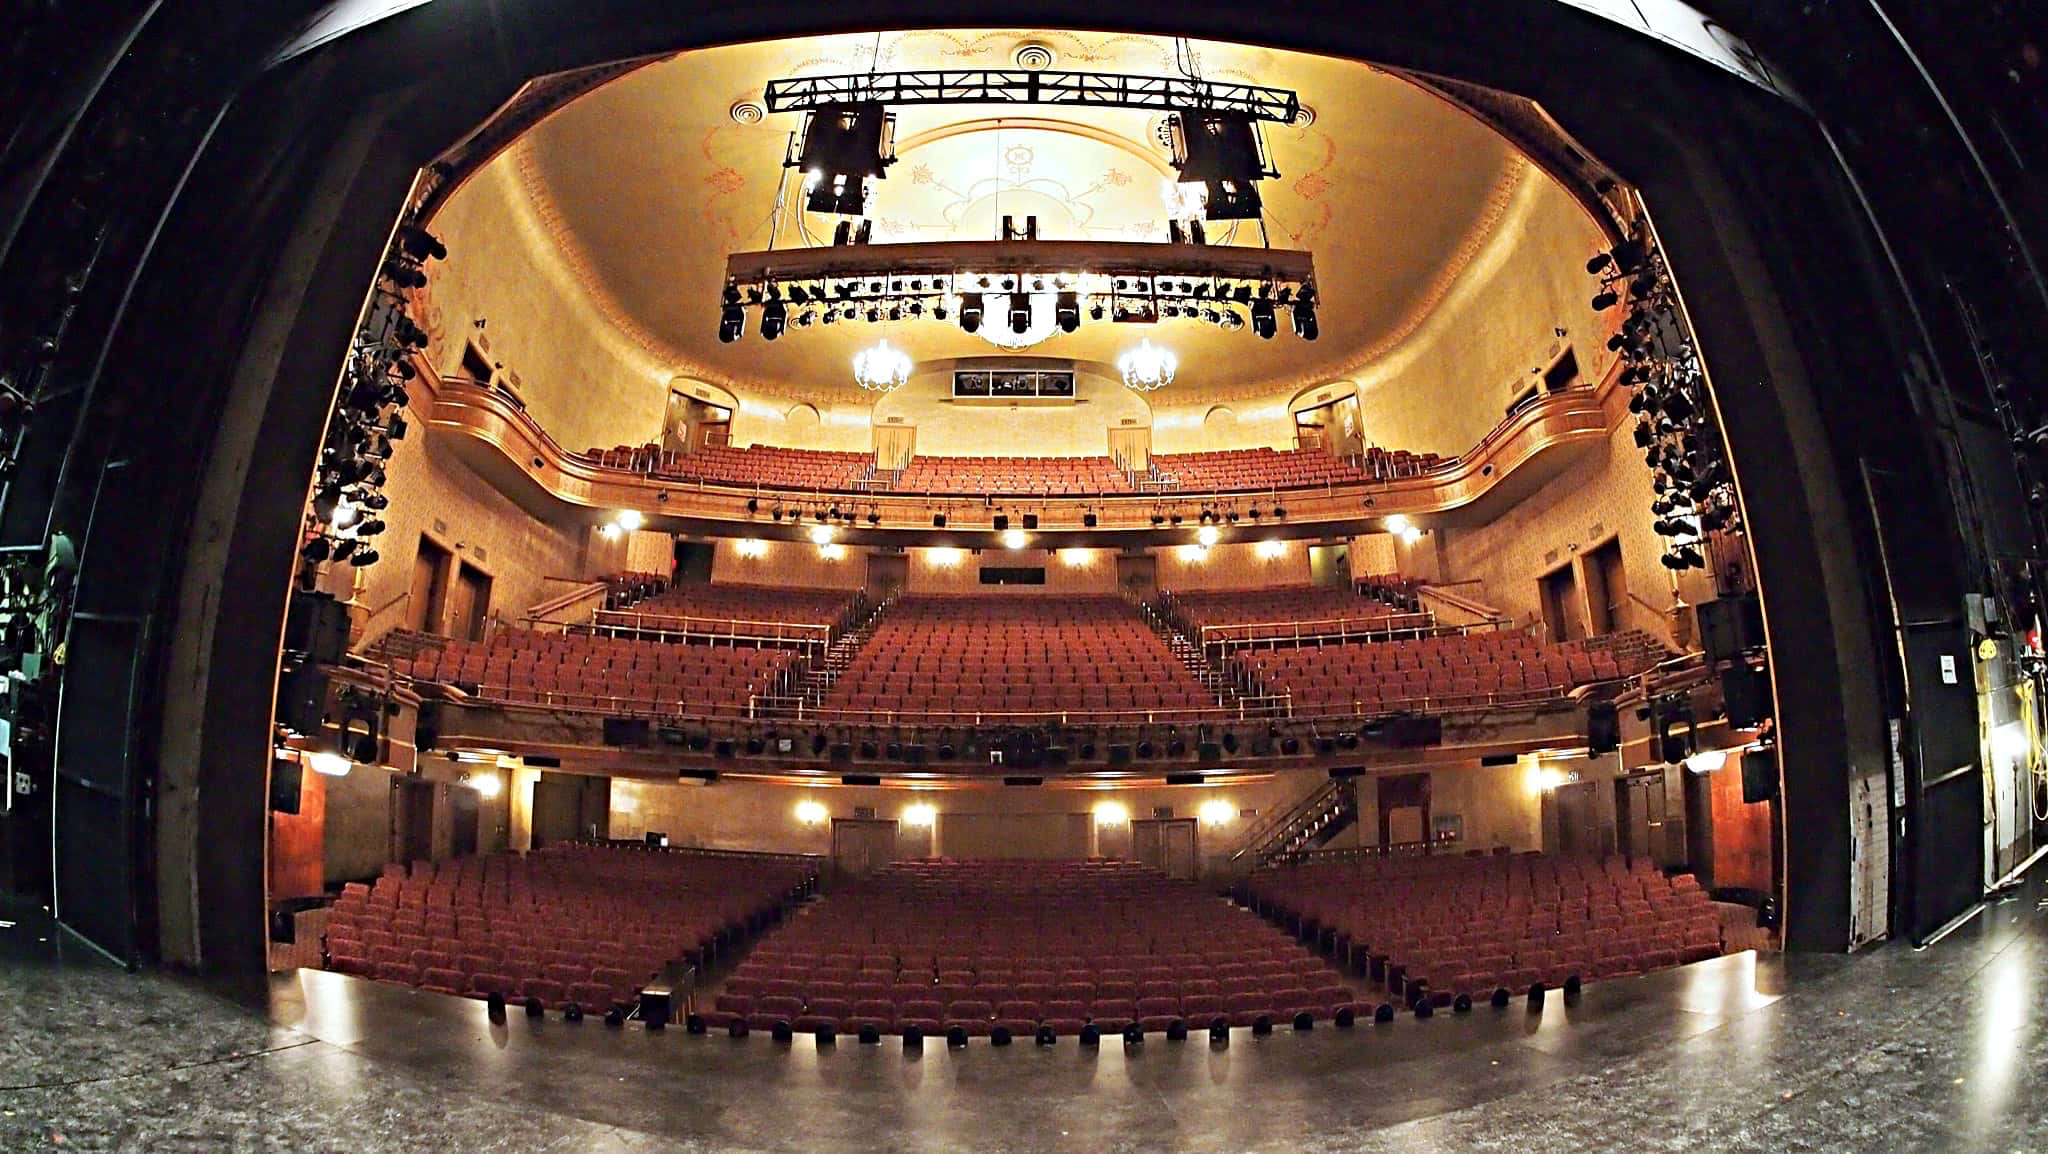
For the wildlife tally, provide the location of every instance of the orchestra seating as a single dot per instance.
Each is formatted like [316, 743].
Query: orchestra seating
[766, 466]
[1454, 671]
[1470, 924]
[596, 672]
[1278, 611]
[1047, 476]
[568, 924]
[1020, 944]
[1014, 654]
[759, 604]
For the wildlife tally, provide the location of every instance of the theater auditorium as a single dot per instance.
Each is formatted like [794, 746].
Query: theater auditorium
[896, 578]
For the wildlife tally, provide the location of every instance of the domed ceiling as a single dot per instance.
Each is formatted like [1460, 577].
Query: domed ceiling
[647, 183]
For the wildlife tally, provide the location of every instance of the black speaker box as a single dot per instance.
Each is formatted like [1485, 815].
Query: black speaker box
[914, 754]
[1119, 754]
[1183, 779]
[724, 747]
[1603, 728]
[1347, 771]
[1057, 755]
[1002, 522]
[317, 626]
[860, 779]
[1746, 694]
[285, 779]
[626, 731]
[1760, 775]
[1020, 780]
[1209, 751]
[1415, 731]
[1088, 519]
[1730, 626]
[1031, 520]
[841, 752]
[1498, 759]
[302, 700]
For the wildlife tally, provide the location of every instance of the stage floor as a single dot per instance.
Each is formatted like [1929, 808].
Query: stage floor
[1944, 1049]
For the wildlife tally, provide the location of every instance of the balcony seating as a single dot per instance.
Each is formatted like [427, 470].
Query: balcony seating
[764, 466]
[1038, 476]
[1020, 944]
[582, 924]
[1457, 671]
[1280, 611]
[1015, 654]
[1238, 470]
[613, 675]
[766, 604]
[1471, 924]
[623, 589]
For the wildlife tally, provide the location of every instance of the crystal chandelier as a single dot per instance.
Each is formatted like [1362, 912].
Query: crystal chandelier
[1148, 366]
[881, 368]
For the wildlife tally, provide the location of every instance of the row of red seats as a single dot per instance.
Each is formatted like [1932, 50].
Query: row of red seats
[1277, 611]
[1451, 670]
[571, 924]
[574, 670]
[754, 465]
[1052, 476]
[1022, 944]
[760, 603]
[1469, 925]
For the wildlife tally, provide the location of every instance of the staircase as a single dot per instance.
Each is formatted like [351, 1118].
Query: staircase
[1633, 649]
[1190, 654]
[819, 677]
[403, 644]
[1309, 824]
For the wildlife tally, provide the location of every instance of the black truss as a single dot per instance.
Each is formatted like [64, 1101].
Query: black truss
[1021, 86]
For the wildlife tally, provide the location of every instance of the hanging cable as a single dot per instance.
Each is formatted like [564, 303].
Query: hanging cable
[2037, 765]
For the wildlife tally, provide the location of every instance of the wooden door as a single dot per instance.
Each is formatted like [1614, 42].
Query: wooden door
[473, 598]
[1560, 589]
[1148, 842]
[1606, 588]
[1181, 861]
[557, 809]
[861, 846]
[428, 600]
[412, 818]
[463, 815]
[1571, 820]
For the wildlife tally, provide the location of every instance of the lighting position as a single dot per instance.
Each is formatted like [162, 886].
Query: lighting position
[811, 812]
[1217, 811]
[1112, 813]
[1148, 366]
[1014, 539]
[920, 815]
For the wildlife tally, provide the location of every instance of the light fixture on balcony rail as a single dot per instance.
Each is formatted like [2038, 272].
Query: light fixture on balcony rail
[1207, 535]
[821, 534]
[1015, 539]
[881, 368]
[1148, 366]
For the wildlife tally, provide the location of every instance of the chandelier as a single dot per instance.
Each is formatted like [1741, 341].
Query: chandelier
[1148, 366]
[881, 368]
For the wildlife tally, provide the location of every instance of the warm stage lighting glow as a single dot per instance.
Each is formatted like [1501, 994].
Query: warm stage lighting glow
[832, 552]
[1208, 535]
[1397, 524]
[327, 762]
[1077, 558]
[821, 534]
[811, 812]
[629, 520]
[1194, 552]
[486, 785]
[608, 531]
[920, 815]
[1112, 813]
[1217, 811]
[945, 555]
[1014, 539]
[1269, 550]
[752, 547]
[1543, 779]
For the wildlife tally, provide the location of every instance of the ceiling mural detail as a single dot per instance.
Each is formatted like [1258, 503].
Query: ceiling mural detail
[642, 187]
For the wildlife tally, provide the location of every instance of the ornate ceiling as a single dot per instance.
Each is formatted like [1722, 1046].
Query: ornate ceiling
[645, 184]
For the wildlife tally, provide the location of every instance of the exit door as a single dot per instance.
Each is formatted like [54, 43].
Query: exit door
[1166, 844]
[1607, 588]
[1560, 589]
[861, 846]
[412, 820]
[1652, 822]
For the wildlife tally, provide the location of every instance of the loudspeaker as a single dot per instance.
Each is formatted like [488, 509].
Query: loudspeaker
[860, 779]
[1603, 728]
[1760, 775]
[724, 747]
[285, 779]
[1088, 520]
[626, 731]
[1119, 754]
[1209, 751]
[316, 625]
[1183, 779]
[1348, 771]
[841, 752]
[1494, 760]
[1746, 694]
[1730, 626]
[1002, 522]
[938, 520]
[1031, 520]
[1023, 781]
[302, 700]
[1413, 731]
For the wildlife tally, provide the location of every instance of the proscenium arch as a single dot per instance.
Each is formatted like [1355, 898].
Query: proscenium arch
[1692, 141]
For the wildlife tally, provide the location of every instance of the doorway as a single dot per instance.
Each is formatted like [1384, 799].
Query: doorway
[412, 820]
[1571, 820]
[1404, 809]
[470, 606]
[1560, 596]
[429, 597]
[568, 806]
[1329, 566]
[861, 846]
[692, 562]
[463, 820]
[1606, 588]
[1649, 823]
[1166, 844]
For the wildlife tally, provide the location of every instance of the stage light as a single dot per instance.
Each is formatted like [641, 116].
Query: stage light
[1305, 325]
[920, 815]
[751, 547]
[1015, 539]
[970, 312]
[629, 520]
[486, 785]
[811, 812]
[832, 552]
[1269, 550]
[1217, 812]
[821, 534]
[774, 316]
[1112, 813]
[1066, 311]
[1207, 535]
[944, 557]
[1607, 299]
[326, 762]
[1396, 524]
[608, 531]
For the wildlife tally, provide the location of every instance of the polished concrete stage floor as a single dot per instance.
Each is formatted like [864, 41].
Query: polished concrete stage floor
[1943, 1049]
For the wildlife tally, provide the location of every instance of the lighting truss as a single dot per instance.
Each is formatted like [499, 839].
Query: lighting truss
[1022, 86]
[972, 281]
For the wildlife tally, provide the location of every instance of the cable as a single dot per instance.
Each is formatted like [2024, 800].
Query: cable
[2037, 765]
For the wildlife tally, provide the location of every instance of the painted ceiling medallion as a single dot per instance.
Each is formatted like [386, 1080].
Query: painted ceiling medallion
[1033, 56]
[748, 112]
